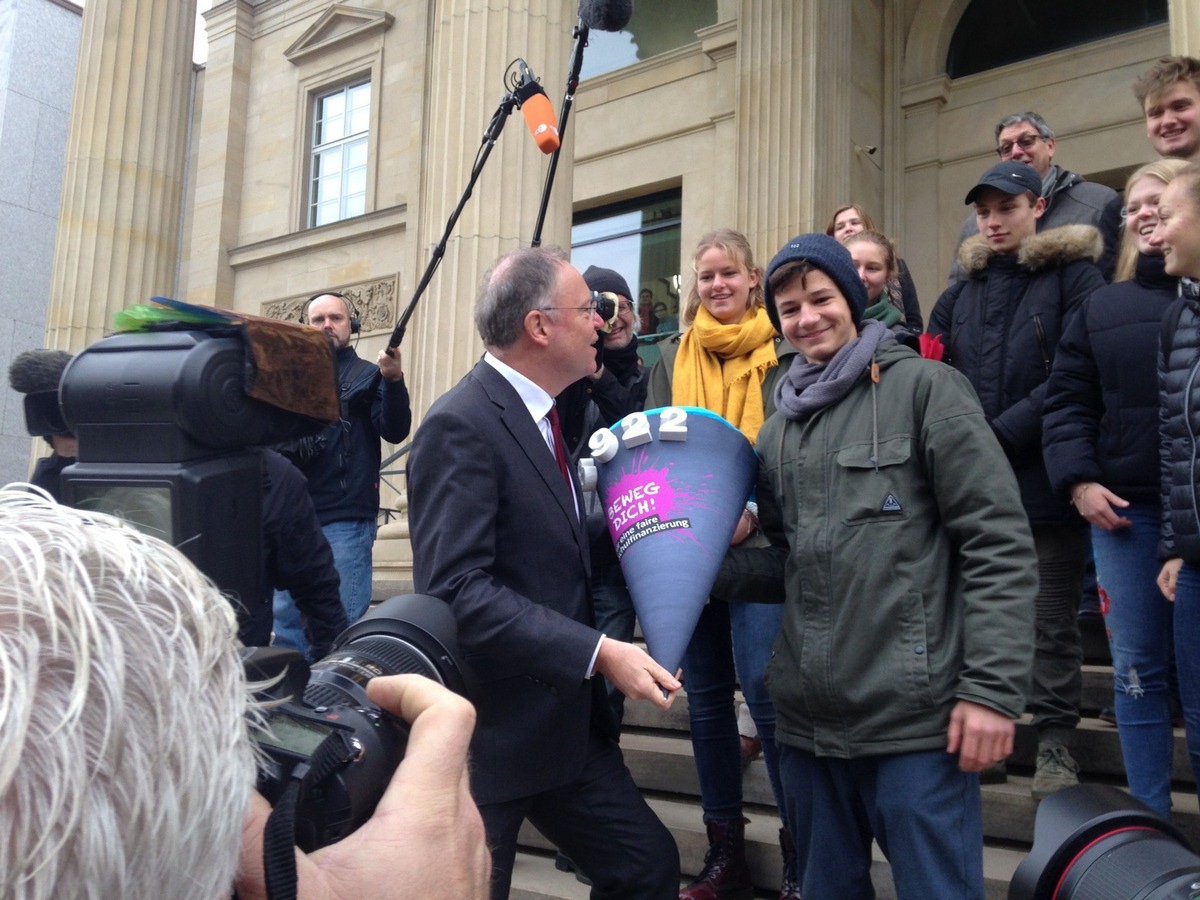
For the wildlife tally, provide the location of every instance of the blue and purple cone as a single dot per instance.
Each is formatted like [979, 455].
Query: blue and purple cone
[672, 503]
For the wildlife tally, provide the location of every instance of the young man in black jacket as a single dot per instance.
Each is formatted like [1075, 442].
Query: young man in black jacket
[1001, 327]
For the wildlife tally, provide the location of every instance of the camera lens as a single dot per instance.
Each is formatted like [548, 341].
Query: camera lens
[409, 634]
[1095, 842]
[351, 747]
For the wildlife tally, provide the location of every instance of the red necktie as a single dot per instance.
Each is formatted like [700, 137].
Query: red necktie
[559, 453]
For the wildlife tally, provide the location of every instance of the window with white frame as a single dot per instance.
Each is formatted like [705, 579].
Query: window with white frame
[338, 167]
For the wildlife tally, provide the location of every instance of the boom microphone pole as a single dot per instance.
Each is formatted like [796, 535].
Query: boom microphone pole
[603, 15]
[525, 93]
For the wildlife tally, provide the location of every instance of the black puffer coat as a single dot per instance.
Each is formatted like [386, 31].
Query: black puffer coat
[1179, 428]
[1101, 412]
[1001, 327]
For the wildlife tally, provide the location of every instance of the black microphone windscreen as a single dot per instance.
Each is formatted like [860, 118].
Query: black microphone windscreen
[37, 370]
[605, 15]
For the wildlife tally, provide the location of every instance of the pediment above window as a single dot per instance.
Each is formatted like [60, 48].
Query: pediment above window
[338, 25]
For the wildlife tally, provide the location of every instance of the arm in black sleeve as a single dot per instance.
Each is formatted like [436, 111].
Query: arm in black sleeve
[908, 295]
[299, 558]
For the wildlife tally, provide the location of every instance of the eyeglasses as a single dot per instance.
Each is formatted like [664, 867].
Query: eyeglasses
[1025, 142]
[625, 306]
[600, 304]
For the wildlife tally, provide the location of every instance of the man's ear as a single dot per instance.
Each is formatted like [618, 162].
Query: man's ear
[537, 327]
[1039, 207]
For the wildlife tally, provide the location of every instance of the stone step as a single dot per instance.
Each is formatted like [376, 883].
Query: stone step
[662, 762]
[535, 878]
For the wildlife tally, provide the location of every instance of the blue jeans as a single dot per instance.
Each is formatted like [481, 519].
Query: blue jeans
[1187, 662]
[747, 631]
[925, 814]
[351, 541]
[1138, 619]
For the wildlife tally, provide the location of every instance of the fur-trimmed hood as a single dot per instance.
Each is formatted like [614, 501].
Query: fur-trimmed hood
[1047, 249]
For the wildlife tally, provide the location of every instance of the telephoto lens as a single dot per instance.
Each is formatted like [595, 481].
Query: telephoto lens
[1095, 842]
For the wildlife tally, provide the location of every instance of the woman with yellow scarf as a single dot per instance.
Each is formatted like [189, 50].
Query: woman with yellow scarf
[726, 361]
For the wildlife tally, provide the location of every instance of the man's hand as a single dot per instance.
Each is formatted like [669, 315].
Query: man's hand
[1168, 577]
[389, 364]
[980, 736]
[635, 673]
[1099, 505]
[425, 838]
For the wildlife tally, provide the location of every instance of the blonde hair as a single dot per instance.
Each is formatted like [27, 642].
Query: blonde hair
[1165, 170]
[736, 246]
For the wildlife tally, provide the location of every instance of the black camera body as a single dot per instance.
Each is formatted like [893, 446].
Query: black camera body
[330, 752]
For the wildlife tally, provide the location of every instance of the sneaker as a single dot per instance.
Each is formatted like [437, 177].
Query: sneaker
[1055, 770]
[996, 773]
[1108, 715]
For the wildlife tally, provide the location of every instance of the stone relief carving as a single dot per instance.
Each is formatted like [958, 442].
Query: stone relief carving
[375, 301]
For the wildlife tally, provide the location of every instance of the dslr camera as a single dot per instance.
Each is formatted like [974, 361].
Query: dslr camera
[328, 751]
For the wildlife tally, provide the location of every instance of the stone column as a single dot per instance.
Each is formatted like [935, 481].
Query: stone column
[473, 41]
[1185, 27]
[118, 227]
[221, 147]
[793, 111]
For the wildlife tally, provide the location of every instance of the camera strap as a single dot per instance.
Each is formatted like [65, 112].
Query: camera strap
[279, 836]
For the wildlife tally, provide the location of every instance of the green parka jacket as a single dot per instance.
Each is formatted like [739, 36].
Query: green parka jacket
[904, 558]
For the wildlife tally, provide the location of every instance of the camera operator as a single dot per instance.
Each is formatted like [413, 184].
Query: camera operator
[127, 767]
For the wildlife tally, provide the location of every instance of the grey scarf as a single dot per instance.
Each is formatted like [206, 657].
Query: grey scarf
[807, 387]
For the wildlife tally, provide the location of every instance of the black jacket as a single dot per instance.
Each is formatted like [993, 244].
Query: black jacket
[47, 474]
[1101, 410]
[342, 462]
[1001, 327]
[297, 559]
[1179, 426]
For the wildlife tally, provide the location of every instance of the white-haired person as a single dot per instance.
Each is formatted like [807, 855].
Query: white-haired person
[127, 768]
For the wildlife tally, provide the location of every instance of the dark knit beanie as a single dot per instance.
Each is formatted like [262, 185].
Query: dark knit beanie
[602, 280]
[828, 255]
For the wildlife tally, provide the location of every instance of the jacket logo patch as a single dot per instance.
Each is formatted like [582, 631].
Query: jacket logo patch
[891, 505]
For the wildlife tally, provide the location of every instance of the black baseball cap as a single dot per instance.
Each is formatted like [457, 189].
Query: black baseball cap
[1012, 177]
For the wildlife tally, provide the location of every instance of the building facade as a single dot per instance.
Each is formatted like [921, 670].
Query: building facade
[325, 145]
[39, 41]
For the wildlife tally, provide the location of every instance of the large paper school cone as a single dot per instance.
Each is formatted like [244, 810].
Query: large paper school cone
[672, 498]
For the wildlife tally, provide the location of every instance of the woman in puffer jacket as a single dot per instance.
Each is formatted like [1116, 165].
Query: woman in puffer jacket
[1100, 442]
[1178, 234]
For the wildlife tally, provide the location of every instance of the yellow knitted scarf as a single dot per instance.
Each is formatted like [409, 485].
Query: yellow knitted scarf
[721, 368]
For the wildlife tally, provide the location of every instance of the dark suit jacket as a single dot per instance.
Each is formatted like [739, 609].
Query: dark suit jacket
[495, 534]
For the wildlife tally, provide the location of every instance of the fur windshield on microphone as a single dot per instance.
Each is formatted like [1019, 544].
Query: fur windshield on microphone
[37, 370]
[605, 15]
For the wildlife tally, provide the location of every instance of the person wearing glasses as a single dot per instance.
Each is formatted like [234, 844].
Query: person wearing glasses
[1070, 198]
[498, 534]
[616, 389]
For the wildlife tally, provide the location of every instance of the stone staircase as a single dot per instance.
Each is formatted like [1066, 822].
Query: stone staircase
[658, 752]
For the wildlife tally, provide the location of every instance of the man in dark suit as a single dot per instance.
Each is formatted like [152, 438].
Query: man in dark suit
[497, 534]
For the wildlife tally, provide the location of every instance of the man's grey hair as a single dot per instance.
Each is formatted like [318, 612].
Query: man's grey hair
[1032, 118]
[126, 764]
[519, 281]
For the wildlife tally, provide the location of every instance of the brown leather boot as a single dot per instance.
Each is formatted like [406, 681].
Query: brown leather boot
[725, 875]
[789, 887]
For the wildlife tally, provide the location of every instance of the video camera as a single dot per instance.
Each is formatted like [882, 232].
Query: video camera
[167, 432]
